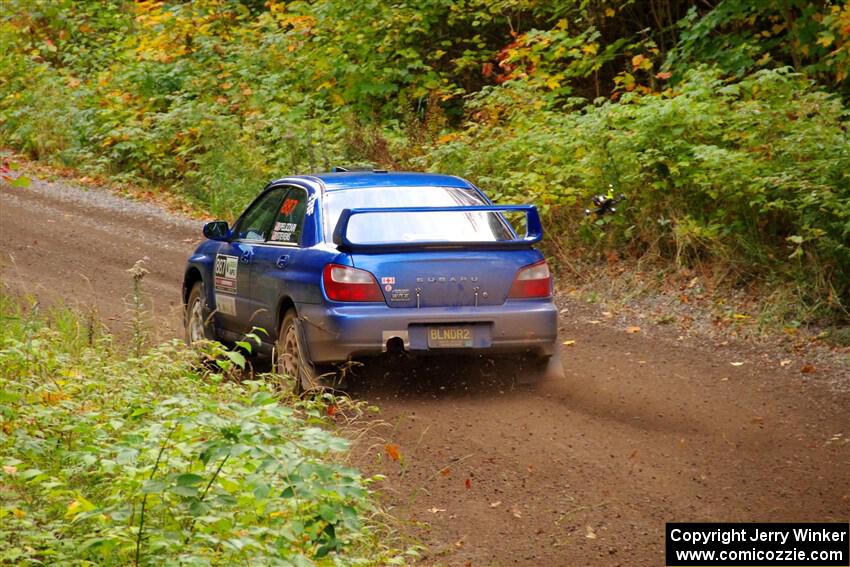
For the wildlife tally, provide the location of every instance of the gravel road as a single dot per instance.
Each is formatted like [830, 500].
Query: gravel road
[582, 471]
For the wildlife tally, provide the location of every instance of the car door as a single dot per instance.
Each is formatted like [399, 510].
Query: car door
[276, 261]
[236, 307]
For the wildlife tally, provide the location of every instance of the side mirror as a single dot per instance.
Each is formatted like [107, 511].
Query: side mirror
[217, 230]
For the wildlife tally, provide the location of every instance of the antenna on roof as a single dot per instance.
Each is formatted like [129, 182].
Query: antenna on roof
[338, 169]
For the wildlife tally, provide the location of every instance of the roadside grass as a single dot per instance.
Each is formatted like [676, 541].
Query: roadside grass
[109, 458]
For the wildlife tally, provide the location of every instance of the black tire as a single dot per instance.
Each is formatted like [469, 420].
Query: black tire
[197, 322]
[291, 358]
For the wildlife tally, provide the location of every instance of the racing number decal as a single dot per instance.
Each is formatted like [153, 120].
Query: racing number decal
[226, 268]
[288, 206]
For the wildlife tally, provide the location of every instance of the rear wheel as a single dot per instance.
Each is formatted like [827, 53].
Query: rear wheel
[292, 359]
[196, 321]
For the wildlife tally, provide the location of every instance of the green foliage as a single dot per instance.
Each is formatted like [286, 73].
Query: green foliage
[712, 117]
[753, 173]
[740, 37]
[115, 461]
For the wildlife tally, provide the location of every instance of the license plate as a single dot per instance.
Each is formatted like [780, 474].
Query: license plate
[449, 337]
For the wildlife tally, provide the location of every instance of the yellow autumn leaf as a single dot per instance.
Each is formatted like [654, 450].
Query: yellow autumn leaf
[610, 12]
[590, 48]
[825, 39]
[641, 62]
[569, 343]
[79, 506]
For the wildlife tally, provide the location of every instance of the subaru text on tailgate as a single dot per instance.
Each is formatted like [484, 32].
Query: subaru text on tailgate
[347, 265]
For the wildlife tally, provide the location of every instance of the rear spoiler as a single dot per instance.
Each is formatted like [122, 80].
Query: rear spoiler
[534, 229]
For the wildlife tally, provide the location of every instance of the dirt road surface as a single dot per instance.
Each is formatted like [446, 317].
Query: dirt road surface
[580, 471]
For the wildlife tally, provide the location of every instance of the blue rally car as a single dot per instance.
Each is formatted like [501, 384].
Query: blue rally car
[351, 264]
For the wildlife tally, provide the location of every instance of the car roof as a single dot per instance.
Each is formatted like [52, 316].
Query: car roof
[361, 179]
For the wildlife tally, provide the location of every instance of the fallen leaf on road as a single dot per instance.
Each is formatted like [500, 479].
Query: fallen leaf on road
[569, 343]
[808, 369]
[496, 504]
[445, 471]
[392, 451]
[633, 329]
[736, 363]
[468, 483]
[593, 321]
[515, 512]
[784, 363]
[590, 533]
[436, 510]
[607, 314]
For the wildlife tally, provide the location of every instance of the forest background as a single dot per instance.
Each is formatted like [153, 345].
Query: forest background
[725, 122]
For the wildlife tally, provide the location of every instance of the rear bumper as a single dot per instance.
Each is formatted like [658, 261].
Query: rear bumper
[337, 333]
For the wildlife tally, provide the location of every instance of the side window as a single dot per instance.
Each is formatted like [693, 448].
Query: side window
[289, 222]
[257, 221]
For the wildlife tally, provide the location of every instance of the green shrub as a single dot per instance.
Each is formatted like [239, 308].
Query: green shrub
[108, 460]
[753, 173]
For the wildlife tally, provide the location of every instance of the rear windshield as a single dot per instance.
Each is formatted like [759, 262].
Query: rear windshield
[414, 227]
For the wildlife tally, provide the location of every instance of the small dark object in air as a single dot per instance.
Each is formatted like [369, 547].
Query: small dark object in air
[604, 205]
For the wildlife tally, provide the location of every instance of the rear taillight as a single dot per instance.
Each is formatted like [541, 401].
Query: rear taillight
[532, 281]
[344, 283]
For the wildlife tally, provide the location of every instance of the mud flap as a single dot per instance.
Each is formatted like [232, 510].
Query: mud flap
[310, 379]
[536, 370]
[554, 368]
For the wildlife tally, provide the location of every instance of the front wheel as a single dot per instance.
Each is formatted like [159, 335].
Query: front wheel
[197, 323]
[292, 359]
